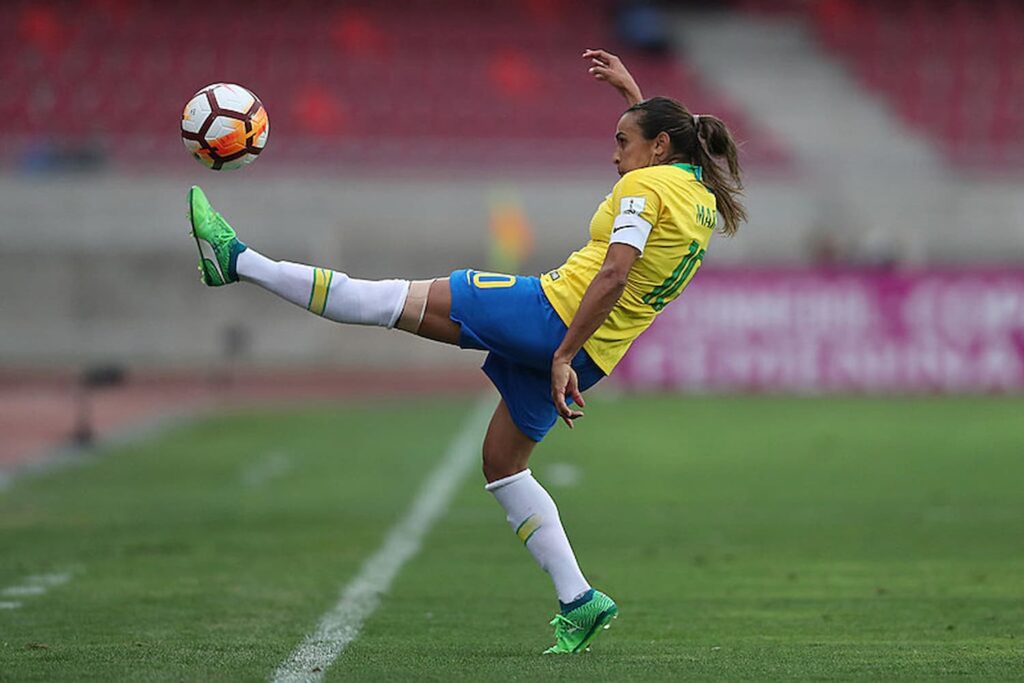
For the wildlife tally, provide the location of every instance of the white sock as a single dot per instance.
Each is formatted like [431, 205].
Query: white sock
[534, 517]
[328, 293]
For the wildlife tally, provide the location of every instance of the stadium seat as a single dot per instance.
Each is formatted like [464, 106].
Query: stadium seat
[952, 70]
[427, 80]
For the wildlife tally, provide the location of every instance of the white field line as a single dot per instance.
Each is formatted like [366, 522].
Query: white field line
[37, 584]
[22, 591]
[359, 599]
[273, 465]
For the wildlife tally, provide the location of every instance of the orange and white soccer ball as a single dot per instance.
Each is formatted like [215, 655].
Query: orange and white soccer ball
[224, 126]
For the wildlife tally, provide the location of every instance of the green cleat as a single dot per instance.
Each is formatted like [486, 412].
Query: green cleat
[580, 621]
[208, 226]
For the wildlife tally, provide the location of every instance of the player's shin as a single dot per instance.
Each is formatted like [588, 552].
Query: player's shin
[534, 517]
[327, 293]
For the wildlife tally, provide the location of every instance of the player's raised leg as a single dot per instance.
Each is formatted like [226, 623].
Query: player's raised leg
[224, 259]
[533, 515]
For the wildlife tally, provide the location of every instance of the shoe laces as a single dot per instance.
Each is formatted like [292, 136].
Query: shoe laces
[563, 625]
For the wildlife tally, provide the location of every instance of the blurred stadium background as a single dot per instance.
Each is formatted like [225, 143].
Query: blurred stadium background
[411, 138]
[883, 144]
[876, 134]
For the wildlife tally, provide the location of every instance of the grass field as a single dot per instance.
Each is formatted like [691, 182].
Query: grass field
[744, 538]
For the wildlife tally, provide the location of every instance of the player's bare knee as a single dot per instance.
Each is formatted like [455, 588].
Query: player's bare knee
[491, 463]
[498, 463]
[487, 464]
[495, 471]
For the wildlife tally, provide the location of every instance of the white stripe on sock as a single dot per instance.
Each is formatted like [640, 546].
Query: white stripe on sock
[533, 516]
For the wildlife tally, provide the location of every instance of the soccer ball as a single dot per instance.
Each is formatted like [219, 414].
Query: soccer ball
[224, 126]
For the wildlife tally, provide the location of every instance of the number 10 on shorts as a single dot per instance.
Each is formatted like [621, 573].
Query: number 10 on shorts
[492, 280]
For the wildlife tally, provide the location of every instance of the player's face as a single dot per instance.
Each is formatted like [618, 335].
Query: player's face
[632, 150]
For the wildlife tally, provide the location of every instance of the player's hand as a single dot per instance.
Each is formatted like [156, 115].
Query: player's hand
[564, 383]
[605, 66]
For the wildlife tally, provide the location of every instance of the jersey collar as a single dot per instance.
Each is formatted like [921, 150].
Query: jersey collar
[697, 171]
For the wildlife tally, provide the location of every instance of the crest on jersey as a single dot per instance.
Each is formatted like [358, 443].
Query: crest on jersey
[632, 205]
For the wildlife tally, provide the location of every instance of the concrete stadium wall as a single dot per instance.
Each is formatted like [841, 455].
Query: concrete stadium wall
[97, 268]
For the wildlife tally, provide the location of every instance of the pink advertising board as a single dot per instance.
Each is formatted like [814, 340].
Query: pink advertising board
[836, 331]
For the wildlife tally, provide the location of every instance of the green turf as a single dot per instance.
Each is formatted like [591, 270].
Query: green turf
[744, 539]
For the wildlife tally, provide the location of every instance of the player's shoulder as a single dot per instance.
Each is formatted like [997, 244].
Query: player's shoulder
[662, 176]
[658, 171]
[643, 175]
[639, 181]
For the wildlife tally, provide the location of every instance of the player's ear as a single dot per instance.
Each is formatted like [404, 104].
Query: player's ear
[662, 145]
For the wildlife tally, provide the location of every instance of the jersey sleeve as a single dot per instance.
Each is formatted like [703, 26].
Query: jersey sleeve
[637, 205]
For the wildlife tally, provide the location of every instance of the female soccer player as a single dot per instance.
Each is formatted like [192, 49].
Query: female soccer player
[549, 338]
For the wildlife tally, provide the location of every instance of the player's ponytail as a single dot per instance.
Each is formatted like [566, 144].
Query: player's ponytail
[702, 140]
[715, 146]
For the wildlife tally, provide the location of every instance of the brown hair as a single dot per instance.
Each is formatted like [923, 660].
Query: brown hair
[704, 141]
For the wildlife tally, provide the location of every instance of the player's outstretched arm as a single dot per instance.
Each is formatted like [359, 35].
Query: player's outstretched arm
[598, 301]
[608, 68]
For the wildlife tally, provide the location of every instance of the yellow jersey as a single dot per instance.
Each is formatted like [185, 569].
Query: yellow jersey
[668, 215]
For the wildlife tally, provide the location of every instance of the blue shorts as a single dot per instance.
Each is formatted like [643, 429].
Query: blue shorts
[510, 317]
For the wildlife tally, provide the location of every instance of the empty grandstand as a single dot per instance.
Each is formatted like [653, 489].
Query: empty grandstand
[348, 84]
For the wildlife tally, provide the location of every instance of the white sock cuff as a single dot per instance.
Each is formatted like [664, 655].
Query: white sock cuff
[400, 305]
[502, 483]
